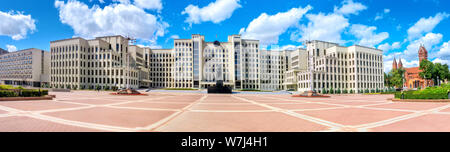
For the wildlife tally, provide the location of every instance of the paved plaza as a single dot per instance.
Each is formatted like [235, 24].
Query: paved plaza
[88, 111]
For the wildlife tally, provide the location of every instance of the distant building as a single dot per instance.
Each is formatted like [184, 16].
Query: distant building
[355, 68]
[3, 51]
[28, 67]
[412, 77]
[103, 62]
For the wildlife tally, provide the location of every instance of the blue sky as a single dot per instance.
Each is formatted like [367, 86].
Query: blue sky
[397, 27]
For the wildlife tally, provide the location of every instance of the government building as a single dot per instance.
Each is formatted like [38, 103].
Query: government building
[103, 62]
[195, 63]
[354, 69]
[29, 67]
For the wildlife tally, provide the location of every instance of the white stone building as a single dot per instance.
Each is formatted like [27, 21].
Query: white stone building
[352, 69]
[104, 62]
[28, 67]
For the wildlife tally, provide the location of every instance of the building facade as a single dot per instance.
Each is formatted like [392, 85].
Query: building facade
[3, 51]
[28, 67]
[333, 67]
[195, 63]
[103, 62]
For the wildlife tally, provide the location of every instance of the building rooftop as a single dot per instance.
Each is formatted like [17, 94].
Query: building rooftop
[3, 51]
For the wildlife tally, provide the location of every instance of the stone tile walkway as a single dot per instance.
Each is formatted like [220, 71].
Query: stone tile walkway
[197, 112]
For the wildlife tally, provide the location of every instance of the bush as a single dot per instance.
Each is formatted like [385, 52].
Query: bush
[30, 93]
[5, 87]
[324, 91]
[331, 91]
[106, 88]
[8, 93]
[338, 91]
[428, 93]
[351, 92]
[345, 92]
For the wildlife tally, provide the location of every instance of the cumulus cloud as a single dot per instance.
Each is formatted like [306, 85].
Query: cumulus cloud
[16, 25]
[215, 12]
[328, 27]
[268, 28]
[429, 41]
[387, 46]
[322, 27]
[349, 7]
[149, 4]
[367, 35]
[445, 50]
[11, 48]
[442, 61]
[115, 19]
[425, 25]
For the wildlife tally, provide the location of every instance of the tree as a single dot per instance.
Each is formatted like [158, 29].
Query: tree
[387, 80]
[427, 68]
[436, 72]
[441, 72]
[397, 77]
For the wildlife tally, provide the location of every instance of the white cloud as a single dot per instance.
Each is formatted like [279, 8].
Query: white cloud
[328, 27]
[11, 48]
[442, 61]
[149, 4]
[172, 37]
[175, 37]
[349, 7]
[425, 25]
[445, 50]
[122, 1]
[322, 27]
[268, 28]
[429, 41]
[367, 35]
[114, 19]
[16, 25]
[215, 12]
[381, 15]
[387, 46]
[291, 47]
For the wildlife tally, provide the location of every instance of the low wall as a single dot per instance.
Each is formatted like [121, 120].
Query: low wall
[420, 100]
[48, 97]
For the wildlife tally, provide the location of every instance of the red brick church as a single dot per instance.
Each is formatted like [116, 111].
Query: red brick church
[412, 77]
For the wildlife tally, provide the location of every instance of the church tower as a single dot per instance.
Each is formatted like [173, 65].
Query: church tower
[423, 53]
[394, 64]
[400, 64]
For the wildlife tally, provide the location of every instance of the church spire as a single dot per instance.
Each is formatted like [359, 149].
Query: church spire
[394, 64]
[400, 64]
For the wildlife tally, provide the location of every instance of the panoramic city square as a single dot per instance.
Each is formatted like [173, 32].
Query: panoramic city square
[90, 111]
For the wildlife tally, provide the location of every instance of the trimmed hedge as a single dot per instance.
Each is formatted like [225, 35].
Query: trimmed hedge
[23, 93]
[8, 93]
[429, 93]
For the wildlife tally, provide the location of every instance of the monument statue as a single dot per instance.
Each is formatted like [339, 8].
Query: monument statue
[219, 87]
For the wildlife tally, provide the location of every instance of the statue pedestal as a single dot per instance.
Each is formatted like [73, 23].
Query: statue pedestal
[127, 92]
[311, 94]
[219, 89]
